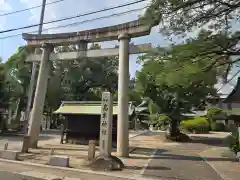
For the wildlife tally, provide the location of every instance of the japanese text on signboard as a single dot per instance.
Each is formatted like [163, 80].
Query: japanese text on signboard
[104, 117]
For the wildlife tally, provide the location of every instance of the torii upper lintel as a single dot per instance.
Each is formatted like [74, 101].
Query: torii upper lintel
[133, 29]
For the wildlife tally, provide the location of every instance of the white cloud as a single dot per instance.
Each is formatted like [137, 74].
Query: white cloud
[69, 8]
[4, 7]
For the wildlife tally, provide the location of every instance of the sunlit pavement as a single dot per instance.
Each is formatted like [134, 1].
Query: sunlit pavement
[4, 175]
[46, 137]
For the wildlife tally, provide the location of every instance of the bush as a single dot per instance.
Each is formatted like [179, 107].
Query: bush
[196, 125]
[233, 141]
[159, 120]
[220, 127]
[214, 114]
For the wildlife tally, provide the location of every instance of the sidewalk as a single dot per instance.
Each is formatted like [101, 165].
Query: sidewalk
[138, 141]
[223, 162]
[151, 158]
[144, 145]
[50, 173]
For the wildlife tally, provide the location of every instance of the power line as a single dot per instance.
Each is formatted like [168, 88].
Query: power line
[73, 17]
[80, 22]
[30, 8]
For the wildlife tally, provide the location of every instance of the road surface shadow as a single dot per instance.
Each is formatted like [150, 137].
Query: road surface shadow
[166, 154]
[211, 141]
[183, 157]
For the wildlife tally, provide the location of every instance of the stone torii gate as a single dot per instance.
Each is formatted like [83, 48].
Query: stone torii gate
[122, 32]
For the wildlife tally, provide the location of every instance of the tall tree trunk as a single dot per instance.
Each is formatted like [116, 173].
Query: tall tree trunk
[174, 131]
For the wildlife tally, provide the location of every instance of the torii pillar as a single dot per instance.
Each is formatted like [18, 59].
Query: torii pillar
[40, 94]
[123, 104]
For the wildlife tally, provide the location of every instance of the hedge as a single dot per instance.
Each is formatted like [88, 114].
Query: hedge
[195, 125]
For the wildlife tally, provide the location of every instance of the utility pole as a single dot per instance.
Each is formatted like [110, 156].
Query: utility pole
[34, 70]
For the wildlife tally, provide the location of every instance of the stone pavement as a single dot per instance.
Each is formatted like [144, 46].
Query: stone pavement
[180, 163]
[152, 158]
[132, 171]
[49, 173]
[4, 175]
[222, 161]
[186, 161]
[78, 153]
[46, 138]
[133, 166]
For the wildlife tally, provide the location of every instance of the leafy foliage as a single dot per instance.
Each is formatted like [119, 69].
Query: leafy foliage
[2, 86]
[17, 77]
[214, 114]
[175, 81]
[233, 141]
[214, 18]
[159, 120]
[196, 125]
[85, 79]
[164, 77]
[184, 16]
[219, 127]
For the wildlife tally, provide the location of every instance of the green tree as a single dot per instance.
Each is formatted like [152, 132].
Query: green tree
[17, 78]
[3, 90]
[134, 96]
[185, 16]
[84, 79]
[193, 16]
[176, 84]
[214, 114]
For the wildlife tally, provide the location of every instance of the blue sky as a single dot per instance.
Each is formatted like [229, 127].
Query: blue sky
[71, 8]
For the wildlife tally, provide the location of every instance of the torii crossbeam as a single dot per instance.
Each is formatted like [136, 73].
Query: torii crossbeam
[133, 49]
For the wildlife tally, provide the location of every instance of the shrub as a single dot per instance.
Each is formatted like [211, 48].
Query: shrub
[214, 114]
[233, 141]
[196, 125]
[220, 127]
[159, 120]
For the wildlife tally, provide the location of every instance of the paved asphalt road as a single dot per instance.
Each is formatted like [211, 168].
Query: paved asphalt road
[183, 162]
[12, 176]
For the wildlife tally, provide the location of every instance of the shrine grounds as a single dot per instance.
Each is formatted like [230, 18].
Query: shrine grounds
[151, 157]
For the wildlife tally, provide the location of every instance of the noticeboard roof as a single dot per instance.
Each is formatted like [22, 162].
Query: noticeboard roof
[86, 107]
